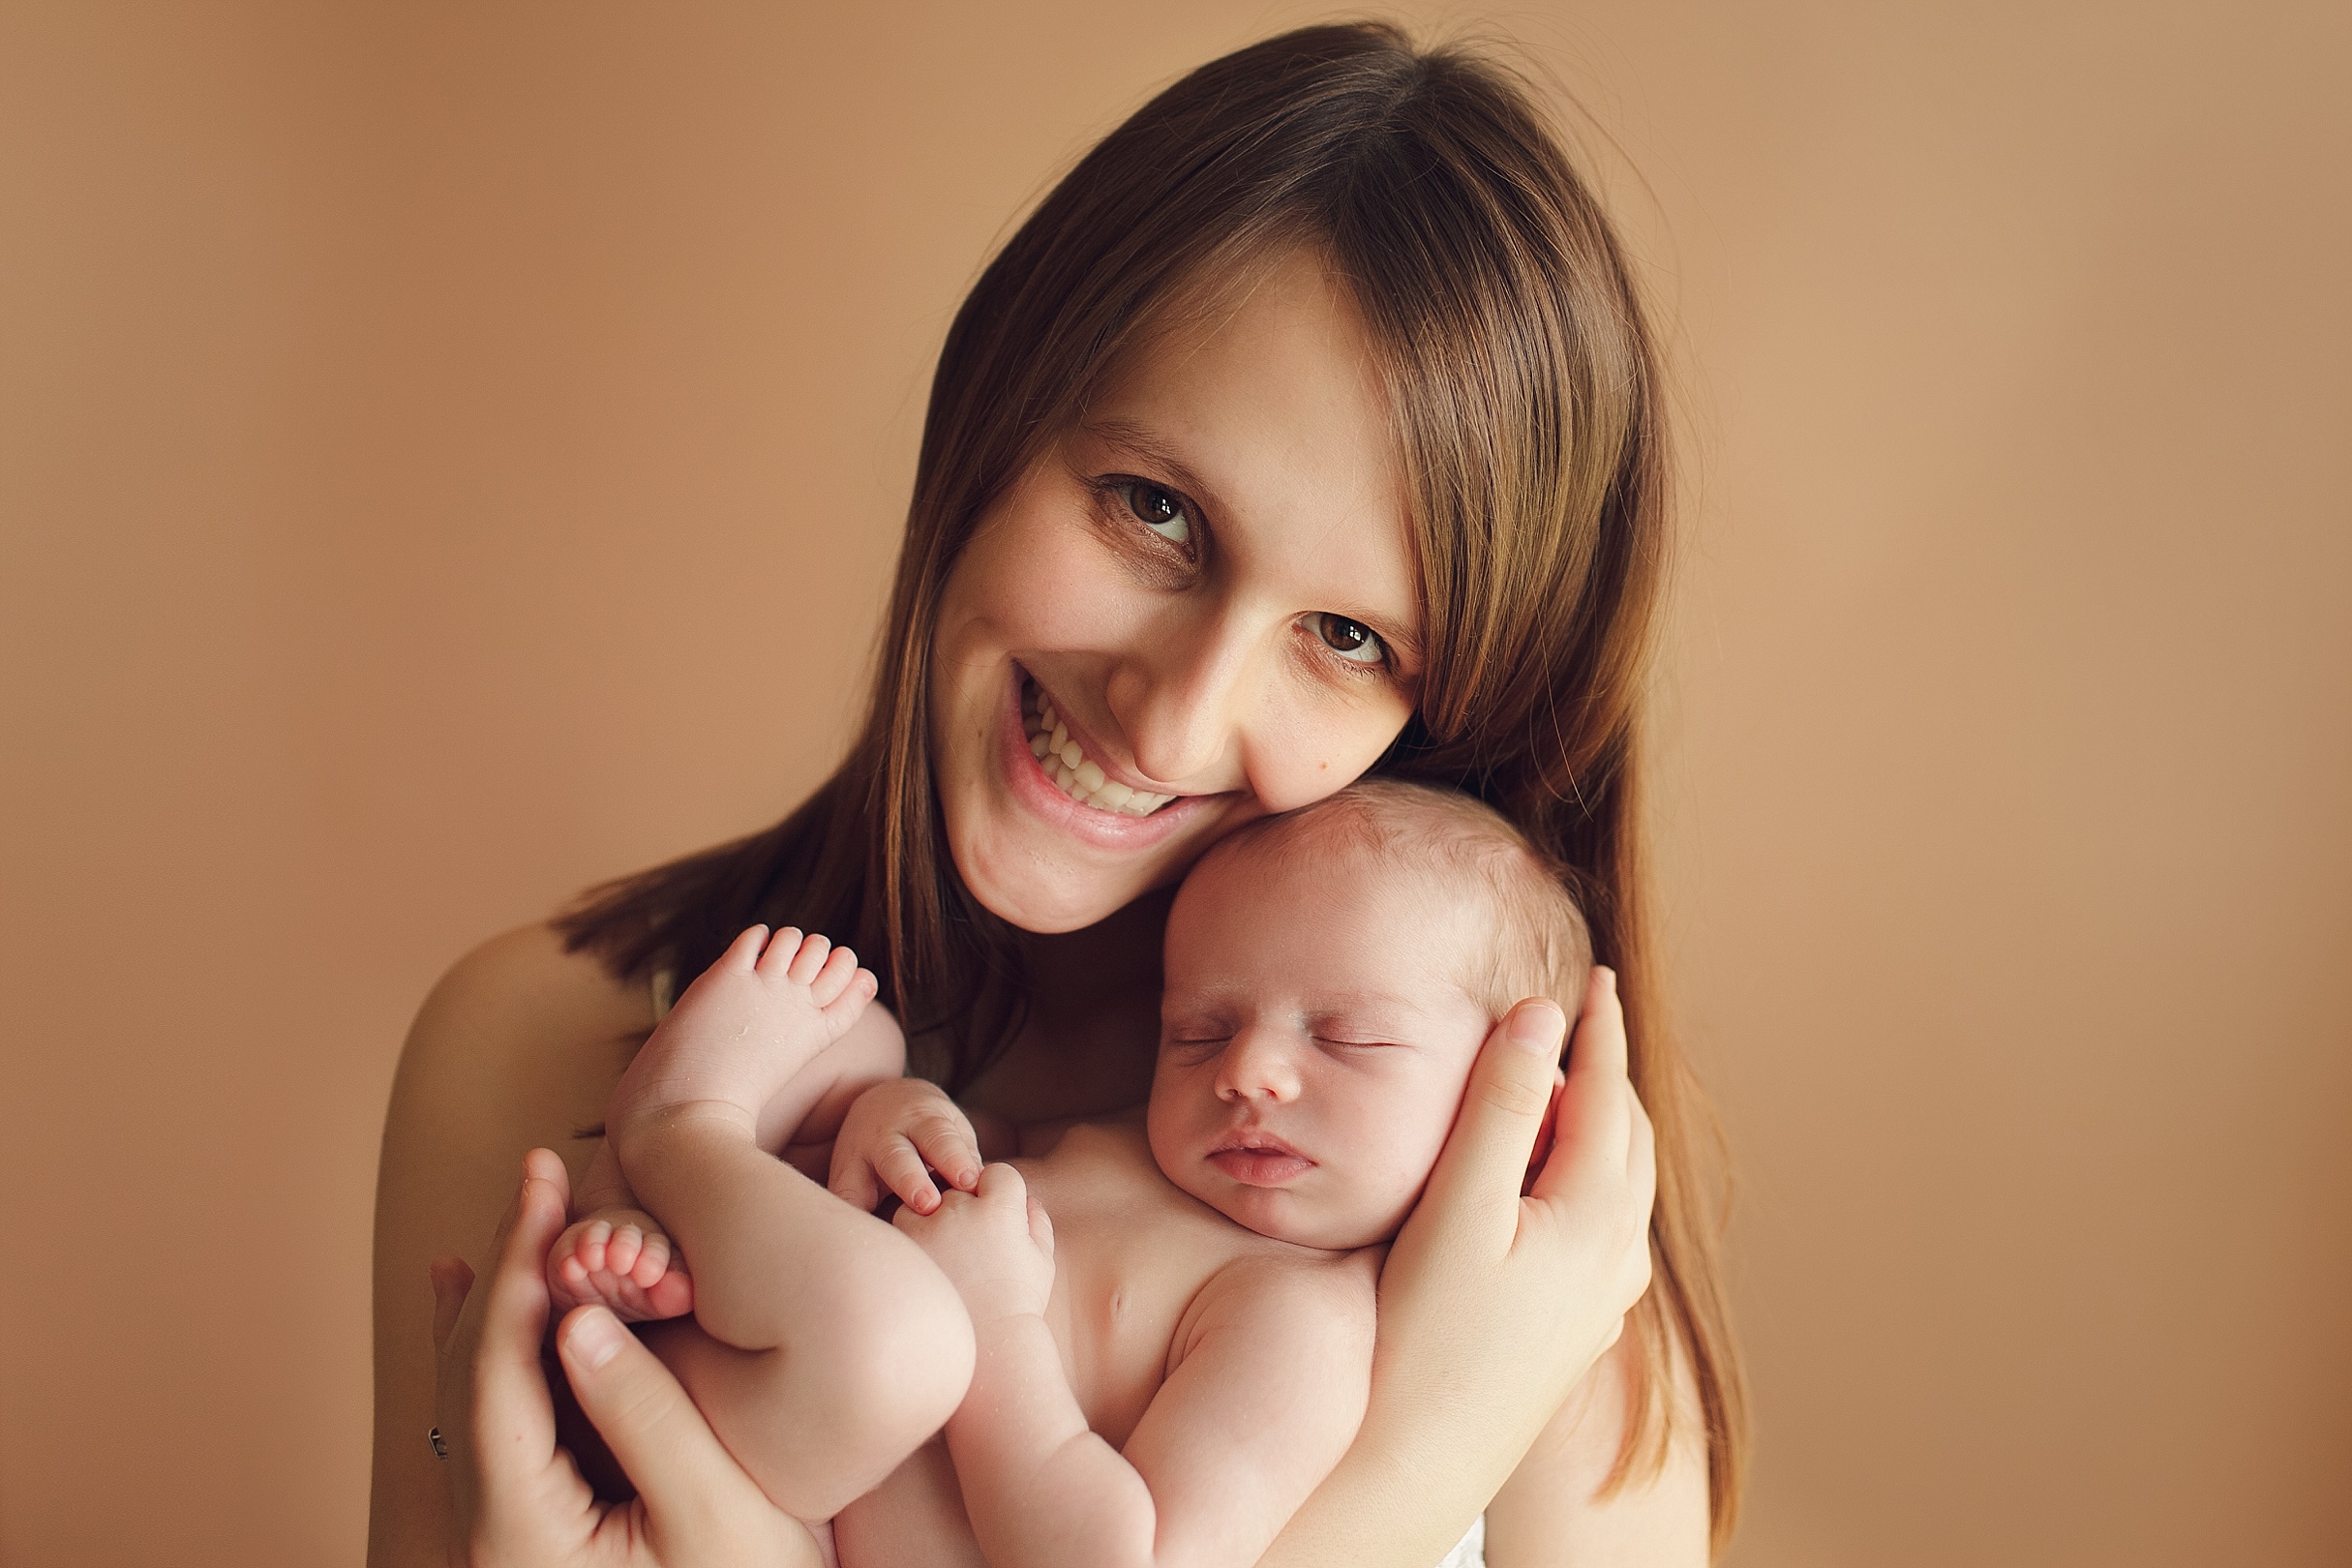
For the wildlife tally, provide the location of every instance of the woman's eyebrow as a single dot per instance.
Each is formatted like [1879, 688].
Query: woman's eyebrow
[1133, 437]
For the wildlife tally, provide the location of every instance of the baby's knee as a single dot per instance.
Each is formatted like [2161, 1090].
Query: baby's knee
[892, 1367]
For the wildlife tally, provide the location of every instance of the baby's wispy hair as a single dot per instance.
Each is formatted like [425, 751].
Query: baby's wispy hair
[1540, 946]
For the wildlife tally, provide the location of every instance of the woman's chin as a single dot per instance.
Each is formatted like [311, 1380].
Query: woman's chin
[1029, 886]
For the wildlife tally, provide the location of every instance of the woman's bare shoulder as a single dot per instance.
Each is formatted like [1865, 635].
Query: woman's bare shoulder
[516, 1048]
[519, 992]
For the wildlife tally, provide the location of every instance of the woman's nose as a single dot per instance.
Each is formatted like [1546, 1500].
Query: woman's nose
[1257, 1065]
[1182, 694]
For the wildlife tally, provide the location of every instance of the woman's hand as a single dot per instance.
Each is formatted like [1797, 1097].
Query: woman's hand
[520, 1502]
[1495, 1305]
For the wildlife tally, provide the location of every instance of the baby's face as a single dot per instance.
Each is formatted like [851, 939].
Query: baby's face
[1314, 1037]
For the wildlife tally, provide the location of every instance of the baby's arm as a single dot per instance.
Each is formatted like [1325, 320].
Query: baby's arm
[1274, 1365]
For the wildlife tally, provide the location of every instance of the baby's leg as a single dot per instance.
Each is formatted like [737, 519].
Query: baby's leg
[824, 1345]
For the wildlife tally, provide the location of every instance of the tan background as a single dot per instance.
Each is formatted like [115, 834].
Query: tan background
[451, 452]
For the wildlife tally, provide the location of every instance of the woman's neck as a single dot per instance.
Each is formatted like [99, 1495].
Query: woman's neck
[1093, 1026]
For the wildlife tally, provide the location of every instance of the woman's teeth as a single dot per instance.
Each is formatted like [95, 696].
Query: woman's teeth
[1079, 778]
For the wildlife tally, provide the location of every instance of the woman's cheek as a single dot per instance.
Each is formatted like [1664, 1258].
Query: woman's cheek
[1308, 756]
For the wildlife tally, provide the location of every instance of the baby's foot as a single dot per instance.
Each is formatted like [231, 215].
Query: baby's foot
[744, 1027]
[619, 1258]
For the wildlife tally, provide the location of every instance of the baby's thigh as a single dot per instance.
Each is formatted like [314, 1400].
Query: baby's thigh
[738, 1392]
[809, 1428]
[915, 1517]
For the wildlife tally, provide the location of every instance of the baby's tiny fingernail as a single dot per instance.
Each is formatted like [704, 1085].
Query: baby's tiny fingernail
[595, 1336]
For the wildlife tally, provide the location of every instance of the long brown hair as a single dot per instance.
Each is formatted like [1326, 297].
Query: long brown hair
[1526, 392]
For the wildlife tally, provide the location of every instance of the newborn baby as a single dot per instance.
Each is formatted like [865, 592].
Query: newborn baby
[1173, 1311]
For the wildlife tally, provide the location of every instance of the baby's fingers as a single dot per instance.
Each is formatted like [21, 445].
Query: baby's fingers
[898, 1162]
[947, 1145]
[853, 1181]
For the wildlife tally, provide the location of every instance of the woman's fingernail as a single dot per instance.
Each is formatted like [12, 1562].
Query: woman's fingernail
[1538, 1027]
[595, 1336]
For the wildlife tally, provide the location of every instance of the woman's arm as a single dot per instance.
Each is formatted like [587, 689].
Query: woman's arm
[1493, 1307]
[1551, 1514]
[517, 1047]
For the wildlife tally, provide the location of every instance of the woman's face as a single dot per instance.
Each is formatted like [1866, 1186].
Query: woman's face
[1206, 589]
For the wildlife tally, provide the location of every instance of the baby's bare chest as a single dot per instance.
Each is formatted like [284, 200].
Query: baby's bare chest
[1131, 1253]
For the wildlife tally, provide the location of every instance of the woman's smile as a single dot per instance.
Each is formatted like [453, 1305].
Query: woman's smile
[1086, 772]
[1045, 782]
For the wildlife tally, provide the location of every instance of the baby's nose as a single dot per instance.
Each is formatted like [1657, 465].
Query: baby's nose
[1257, 1065]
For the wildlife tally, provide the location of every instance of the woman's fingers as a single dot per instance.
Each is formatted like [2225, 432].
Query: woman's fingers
[497, 1418]
[698, 1504]
[510, 1390]
[1600, 1026]
[1594, 1117]
[1479, 1174]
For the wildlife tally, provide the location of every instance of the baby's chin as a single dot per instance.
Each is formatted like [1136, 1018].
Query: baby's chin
[1283, 1214]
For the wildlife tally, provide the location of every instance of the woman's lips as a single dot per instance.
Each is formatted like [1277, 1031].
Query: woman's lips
[1259, 1160]
[1076, 765]
[1023, 772]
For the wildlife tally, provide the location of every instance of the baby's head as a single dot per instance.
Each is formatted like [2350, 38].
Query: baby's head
[1331, 974]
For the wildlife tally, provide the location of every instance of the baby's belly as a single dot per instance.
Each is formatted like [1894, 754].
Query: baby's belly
[914, 1520]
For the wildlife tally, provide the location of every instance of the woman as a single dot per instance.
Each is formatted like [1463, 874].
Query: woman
[1309, 426]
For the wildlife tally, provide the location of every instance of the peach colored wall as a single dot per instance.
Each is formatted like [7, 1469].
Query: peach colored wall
[450, 452]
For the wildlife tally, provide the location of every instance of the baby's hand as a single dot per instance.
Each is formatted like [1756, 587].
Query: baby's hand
[619, 1258]
[894, 1135]
[995, 1243]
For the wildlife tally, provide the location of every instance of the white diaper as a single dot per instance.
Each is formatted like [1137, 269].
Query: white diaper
[1470, 1551]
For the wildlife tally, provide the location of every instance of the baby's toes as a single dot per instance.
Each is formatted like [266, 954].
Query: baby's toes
[780, 950]
[652, 1263]
[670, 1296]
[621, 1253]
[809, 960]
[848, 1002]
[566, 1285]
[589, 1245]
[826, 984]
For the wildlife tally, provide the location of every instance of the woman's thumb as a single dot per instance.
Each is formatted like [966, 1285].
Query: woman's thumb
[1485, 1160]
[644, 1416]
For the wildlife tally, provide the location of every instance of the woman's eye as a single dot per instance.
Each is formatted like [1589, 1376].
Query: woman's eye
[1159, 509]
[1351, 640]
